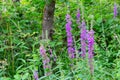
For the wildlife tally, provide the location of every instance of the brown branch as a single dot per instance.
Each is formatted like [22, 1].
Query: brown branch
[48, 19]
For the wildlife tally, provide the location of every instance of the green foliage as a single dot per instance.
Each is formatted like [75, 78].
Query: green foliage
[21, 28]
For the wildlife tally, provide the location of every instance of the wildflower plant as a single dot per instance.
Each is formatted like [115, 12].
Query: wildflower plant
[115, 10]
[71, 49]
[35, 75]
[45, 60]
[21, 35]
[90, 37]
[78, 17]
[83, 39]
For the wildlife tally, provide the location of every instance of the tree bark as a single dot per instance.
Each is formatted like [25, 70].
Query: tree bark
[48, 17]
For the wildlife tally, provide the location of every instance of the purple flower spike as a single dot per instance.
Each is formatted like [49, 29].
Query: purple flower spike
[78, 17]
[42, 51]
[35, 75]
[115, 10]
[90, 38]
[45, 58]
[90, 43]
[69, 37]
[83, 39]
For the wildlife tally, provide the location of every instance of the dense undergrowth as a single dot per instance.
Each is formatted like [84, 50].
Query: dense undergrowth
[21, 29]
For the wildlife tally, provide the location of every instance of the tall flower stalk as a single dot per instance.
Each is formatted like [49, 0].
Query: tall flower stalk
[35, 75]
[83, 39]
[71, 49]
[45, 60]
[90, 38]
[78, 17]
[115, 10]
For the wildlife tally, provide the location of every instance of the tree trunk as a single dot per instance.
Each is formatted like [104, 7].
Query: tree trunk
[48, 20]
